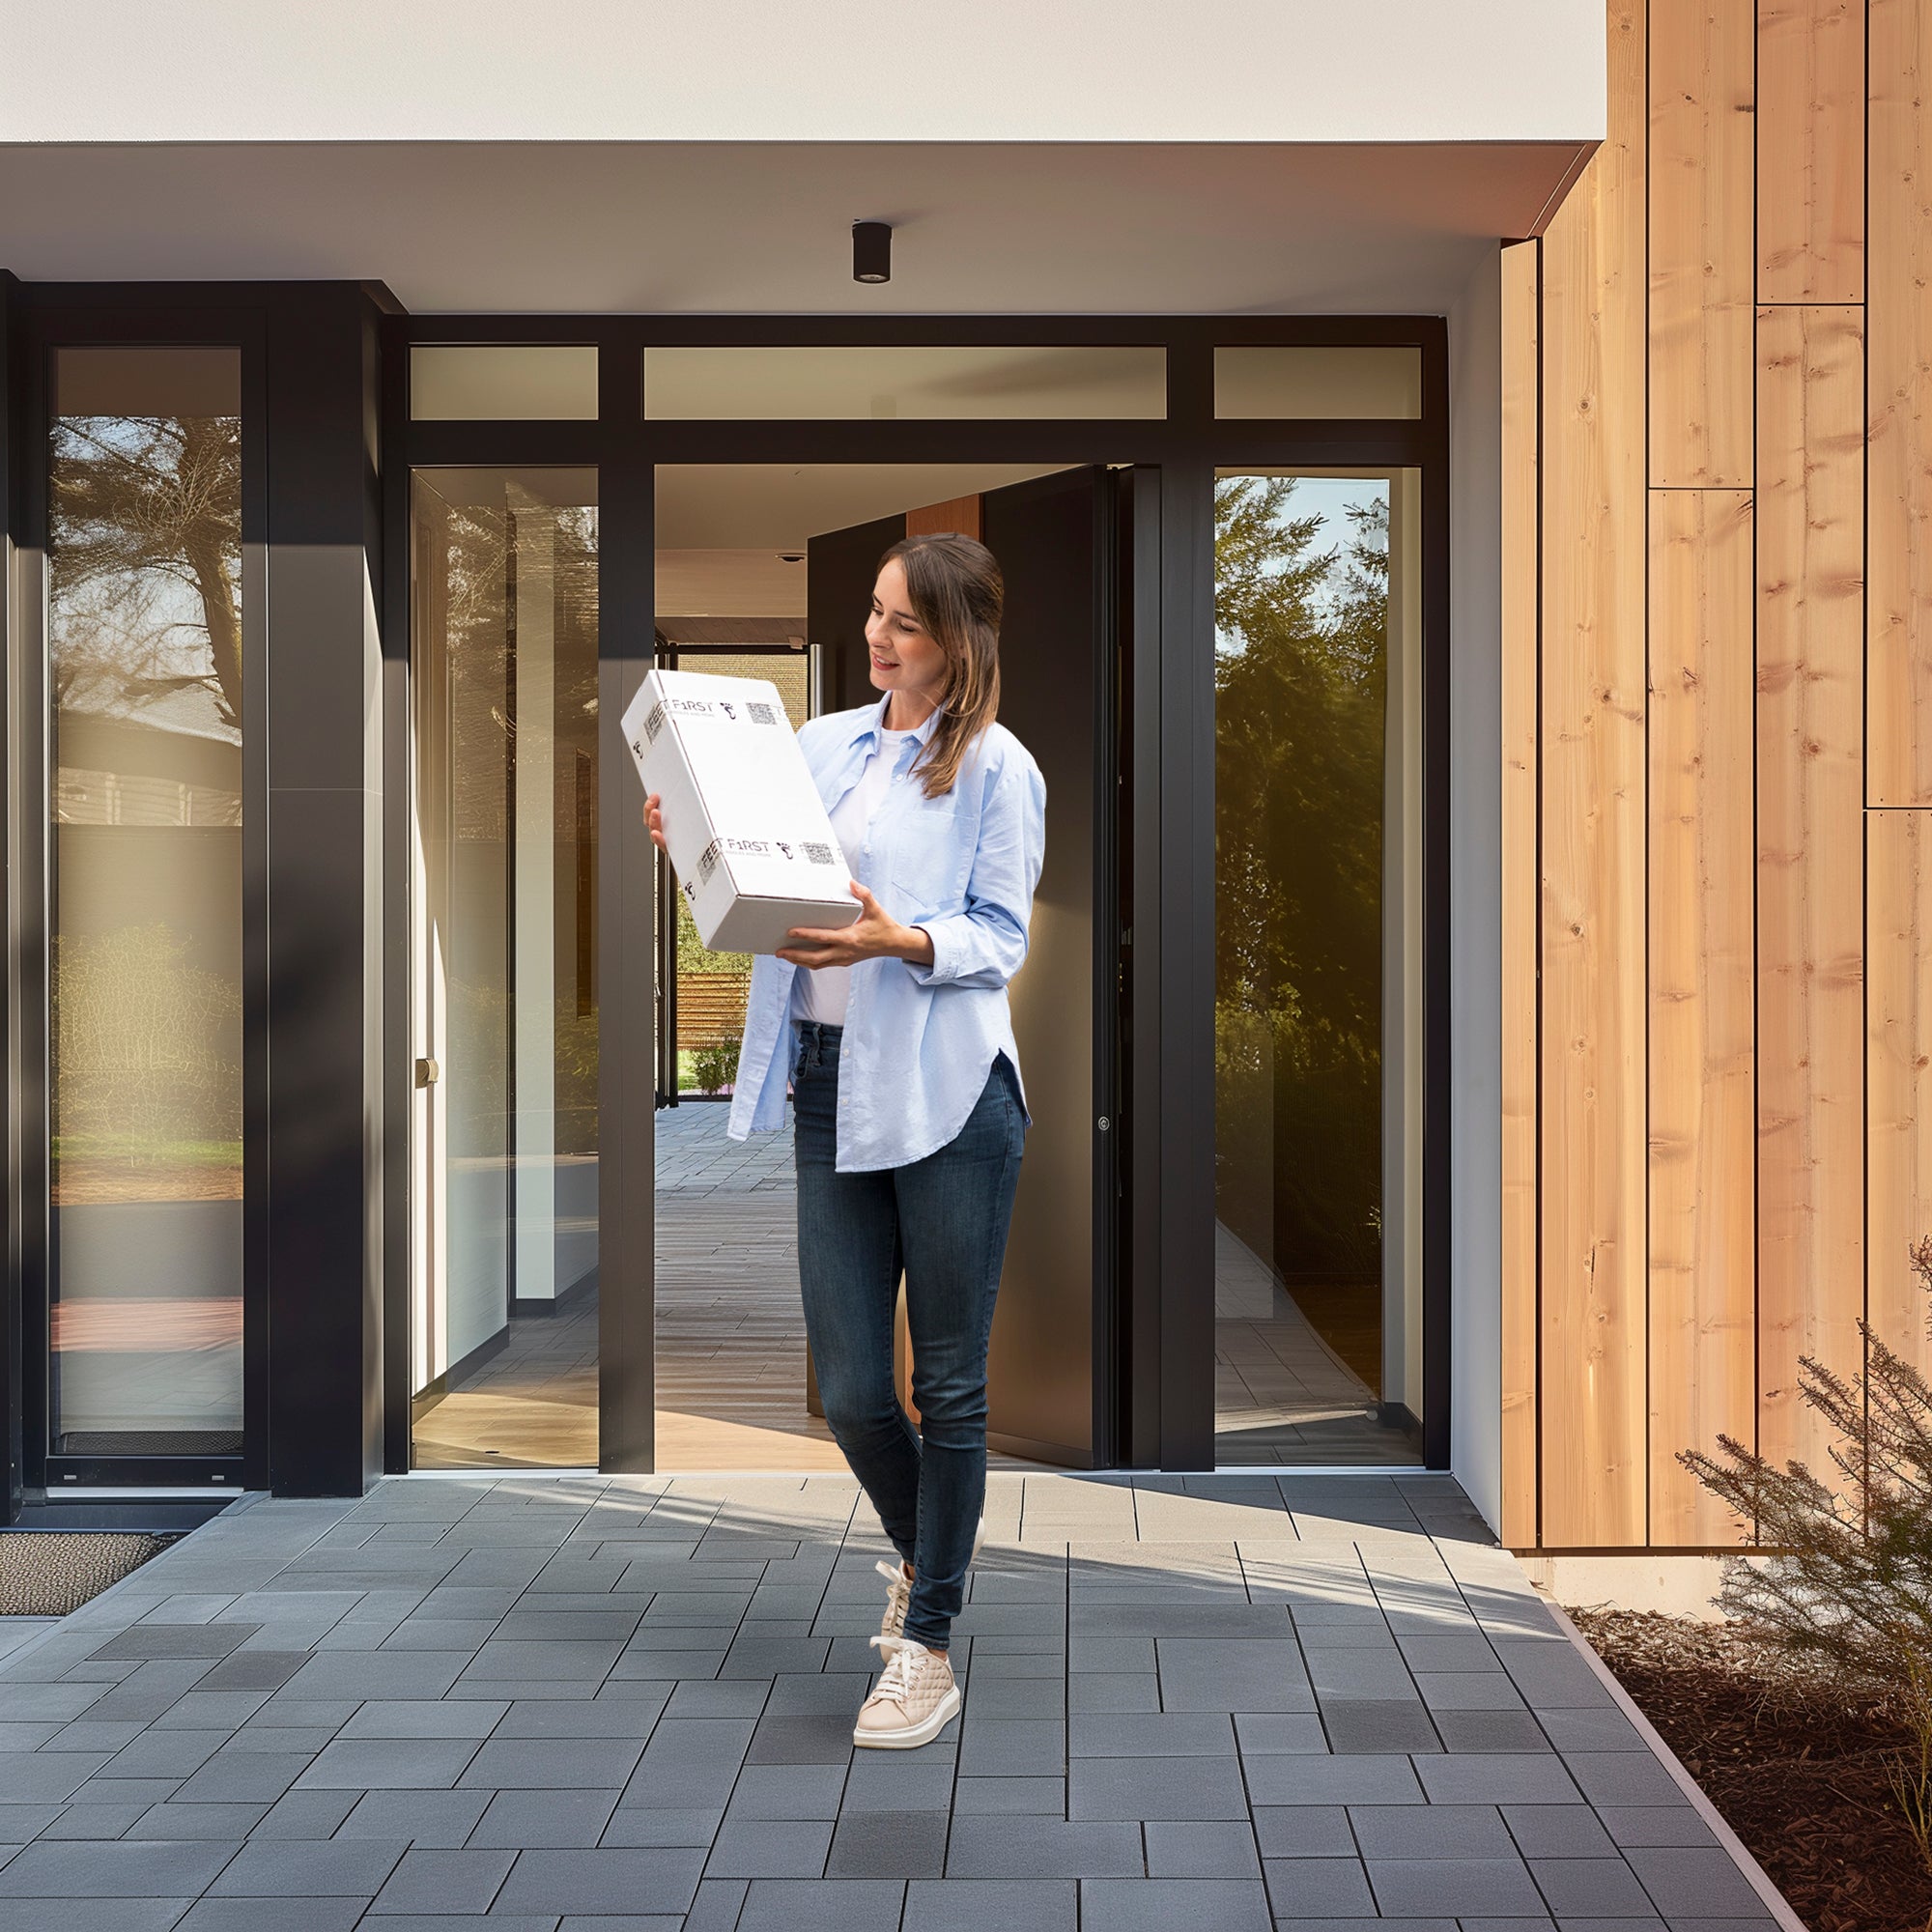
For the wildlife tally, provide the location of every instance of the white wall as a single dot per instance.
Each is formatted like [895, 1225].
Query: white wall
[1475, 886]
[1220, 70]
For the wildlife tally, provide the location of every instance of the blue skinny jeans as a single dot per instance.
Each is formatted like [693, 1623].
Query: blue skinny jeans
[942, 1221]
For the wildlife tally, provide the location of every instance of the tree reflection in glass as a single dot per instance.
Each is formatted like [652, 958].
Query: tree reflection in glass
[146, 698]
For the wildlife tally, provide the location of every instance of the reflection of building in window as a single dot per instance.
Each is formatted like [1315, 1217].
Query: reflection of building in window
[83, 796]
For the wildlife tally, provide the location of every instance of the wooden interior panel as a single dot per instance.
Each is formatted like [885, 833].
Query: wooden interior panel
[1521, 292]
[1703, 253]
[1702, 1224]
[1898, 336]
[1811, 920]
[1810, 151]
[956, 513]
[1592, 735]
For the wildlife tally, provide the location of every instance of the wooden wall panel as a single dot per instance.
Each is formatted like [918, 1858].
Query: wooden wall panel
[1898, 847]
[1592, 793]
[1899, 334]
[958, 513]
[1703, 254]
[1702, 1129]
[1521, 293]
[1811, 150]
[1810, 779]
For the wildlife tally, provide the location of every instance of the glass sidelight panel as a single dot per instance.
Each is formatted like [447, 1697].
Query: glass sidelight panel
[1318, 968]
[504, 1002]
[144, 606]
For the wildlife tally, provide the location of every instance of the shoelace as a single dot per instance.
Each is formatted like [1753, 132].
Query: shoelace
[895, 1680]
[900, 1595]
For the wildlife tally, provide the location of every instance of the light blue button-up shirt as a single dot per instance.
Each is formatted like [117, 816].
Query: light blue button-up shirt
[918, 1040]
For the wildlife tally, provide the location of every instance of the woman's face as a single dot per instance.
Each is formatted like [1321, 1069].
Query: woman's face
[903, 657]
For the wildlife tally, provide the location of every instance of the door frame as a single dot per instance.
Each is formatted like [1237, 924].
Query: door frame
[1164, 1409]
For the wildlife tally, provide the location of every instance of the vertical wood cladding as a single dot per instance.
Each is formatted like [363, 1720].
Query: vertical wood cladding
[1592, 740]
[1718, 510]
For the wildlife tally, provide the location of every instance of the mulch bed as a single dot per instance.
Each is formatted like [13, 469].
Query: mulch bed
[1799, 1776]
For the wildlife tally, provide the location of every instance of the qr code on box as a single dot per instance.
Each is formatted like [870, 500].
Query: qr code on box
[763, 714]
[819, 855]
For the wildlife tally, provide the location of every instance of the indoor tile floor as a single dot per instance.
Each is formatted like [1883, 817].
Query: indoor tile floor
[529, 1704]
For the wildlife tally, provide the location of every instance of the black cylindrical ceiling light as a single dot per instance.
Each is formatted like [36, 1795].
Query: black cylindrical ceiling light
[872, 251]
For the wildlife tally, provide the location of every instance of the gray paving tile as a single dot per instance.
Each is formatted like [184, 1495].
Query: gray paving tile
[1284, 1779]
[357, 1676]
[231, 1823]
[1489, 1731]
[770, 1848]
[734, 1697]
[549, 1820]
[1161, 1734]
[112, 1870]
[147, 1640]
[94, 1914]
[439, 1881]
[1096, 1693]
[889, 1844]
[309, 1869]
[1301, 1888]
[1654, 1824]
[1201, 1849]
[422, 1718]
[789, 1791]
[1012, 1748]
[603, 1880]
[1557, 1832]
[370, 1764]
[292, 1914]
[1304, 1832]
[993, 1905]
[1234, 1674]
[1040, 1797]
[1382, 1724]
[1006, 1846]
[911, 1780]
[822, 1905]
[157, 1753]
[1622, 1777]
[47, 1778]
[1112, 1787]
[715, 1909]
[1497, 1778]
[1432, 1832]
[1377, 1672]
[1602, 1729]
[549, 1764]
[1480, 1887]
[441, 1819]
[1682, 1880]
[657, 1828]
[1599, 1888]
[307, 1814]
[1158, 1905]
[1274, 1732]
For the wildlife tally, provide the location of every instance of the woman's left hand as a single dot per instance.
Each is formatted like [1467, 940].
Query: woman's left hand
[873, 935]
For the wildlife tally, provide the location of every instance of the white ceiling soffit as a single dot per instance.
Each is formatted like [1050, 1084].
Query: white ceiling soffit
[1211, 71]
[759, 227]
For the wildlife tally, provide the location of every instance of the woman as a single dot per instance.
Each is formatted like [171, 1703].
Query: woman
[910, 1118]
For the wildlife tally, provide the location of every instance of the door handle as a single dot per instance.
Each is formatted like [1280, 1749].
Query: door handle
[428, 1072]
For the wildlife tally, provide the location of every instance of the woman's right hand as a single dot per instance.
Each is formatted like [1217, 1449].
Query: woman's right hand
[654, 819]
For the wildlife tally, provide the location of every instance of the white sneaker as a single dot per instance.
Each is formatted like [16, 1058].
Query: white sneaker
[913, 1701]
[898, 1591]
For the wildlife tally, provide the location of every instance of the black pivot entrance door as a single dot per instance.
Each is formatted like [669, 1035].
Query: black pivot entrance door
[1051, 1372]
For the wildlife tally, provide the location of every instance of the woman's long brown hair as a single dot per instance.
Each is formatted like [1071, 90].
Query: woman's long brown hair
[959, 595]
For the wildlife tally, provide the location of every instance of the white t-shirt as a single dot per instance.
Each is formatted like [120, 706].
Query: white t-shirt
[820, 993]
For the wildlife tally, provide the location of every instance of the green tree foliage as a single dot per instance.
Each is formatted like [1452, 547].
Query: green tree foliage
[1301, 669]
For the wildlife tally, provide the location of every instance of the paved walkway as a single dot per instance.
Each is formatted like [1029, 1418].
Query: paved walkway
[1219, 1704]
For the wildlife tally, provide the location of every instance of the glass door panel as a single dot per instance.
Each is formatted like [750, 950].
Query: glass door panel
[504, 968]
[144, 606]
[1317, 1003]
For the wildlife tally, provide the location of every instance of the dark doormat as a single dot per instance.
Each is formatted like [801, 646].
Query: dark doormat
[46, 1573]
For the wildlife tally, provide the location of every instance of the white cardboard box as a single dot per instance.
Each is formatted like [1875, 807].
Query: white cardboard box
[750, 840]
